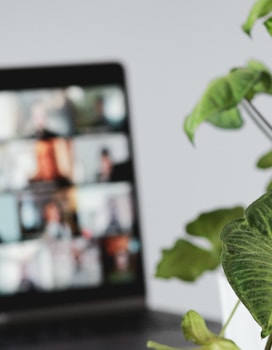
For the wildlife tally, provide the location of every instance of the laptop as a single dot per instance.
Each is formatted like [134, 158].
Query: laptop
[71, 267]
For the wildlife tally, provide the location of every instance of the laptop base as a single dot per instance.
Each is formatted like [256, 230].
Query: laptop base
[122, 331]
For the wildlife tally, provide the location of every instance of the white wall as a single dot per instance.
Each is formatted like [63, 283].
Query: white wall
[171, 49]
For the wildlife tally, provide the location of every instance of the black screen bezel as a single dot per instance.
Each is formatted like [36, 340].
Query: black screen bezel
[106, 73]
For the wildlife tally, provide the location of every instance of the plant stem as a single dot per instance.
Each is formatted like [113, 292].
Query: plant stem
[258, 118]
[268, 344]
[229, 319]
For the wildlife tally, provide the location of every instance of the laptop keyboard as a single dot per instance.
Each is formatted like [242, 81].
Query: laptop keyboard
[62, 334]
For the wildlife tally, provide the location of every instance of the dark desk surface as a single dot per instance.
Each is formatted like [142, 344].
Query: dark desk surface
[120, 331]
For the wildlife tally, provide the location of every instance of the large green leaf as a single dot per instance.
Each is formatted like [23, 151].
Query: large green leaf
[261, 8]
[247, 260]
[186, 260]
[223, 96]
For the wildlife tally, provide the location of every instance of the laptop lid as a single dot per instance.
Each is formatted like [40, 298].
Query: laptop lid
[69, 220]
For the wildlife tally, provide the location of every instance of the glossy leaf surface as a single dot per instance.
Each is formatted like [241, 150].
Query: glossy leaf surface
[247, 260]
[187, 260]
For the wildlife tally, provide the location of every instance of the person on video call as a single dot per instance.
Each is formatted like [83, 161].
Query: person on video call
[26, 283]
[47, 164]
[100, 118]
[105, 165]
[39, 120]
[114, 226]
[55, 226]
[63, 113]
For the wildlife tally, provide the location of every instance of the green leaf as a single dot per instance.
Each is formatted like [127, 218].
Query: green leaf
[195, 329]
[157, 346]
[264, 84]
[268, 25]
[210, 224]
[186, 260]
[260, 9]
[258, 66]
[230, 119]
[269, 186]
[219, 103]
[247, 260]
[265, 161]
[222, 96]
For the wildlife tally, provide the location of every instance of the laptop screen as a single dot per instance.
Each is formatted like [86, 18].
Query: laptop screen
[69, 228]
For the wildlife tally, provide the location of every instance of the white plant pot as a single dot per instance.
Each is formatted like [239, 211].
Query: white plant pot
[243, 329]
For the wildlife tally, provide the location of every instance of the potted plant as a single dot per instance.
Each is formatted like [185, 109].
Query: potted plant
[239, 239]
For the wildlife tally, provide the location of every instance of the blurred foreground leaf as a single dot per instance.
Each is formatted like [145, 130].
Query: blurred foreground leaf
[195, 329]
